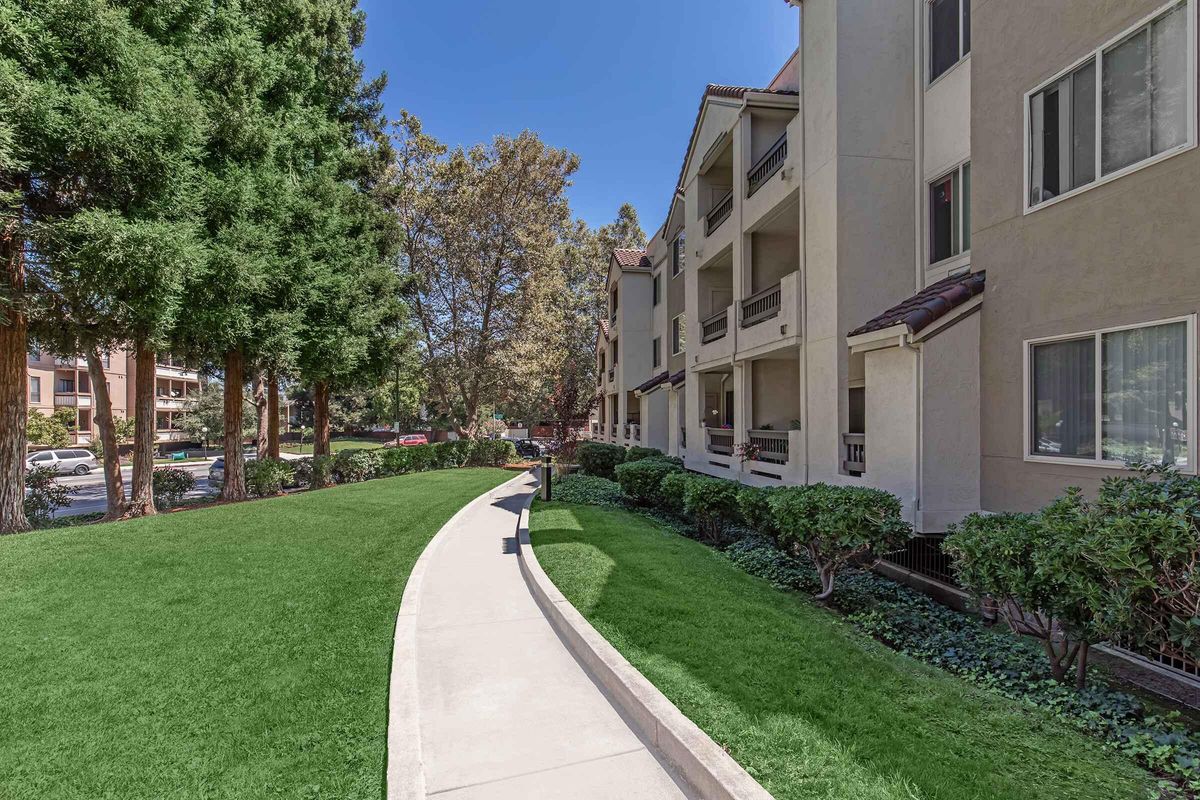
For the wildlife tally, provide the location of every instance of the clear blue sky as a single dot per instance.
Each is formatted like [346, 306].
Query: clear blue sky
[617, 82]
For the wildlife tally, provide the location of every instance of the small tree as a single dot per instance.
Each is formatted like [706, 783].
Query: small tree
[45, 495]
[712, 503]
[46, 431]
[838, 526]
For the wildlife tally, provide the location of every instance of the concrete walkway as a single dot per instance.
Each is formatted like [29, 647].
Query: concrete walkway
[505, 710]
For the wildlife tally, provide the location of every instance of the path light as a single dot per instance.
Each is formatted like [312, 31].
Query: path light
[547, 465]
[204, 434]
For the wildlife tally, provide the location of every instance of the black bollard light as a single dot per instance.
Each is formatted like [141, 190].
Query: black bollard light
[547, 476]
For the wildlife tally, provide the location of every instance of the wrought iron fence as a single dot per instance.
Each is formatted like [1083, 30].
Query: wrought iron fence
[924, 556]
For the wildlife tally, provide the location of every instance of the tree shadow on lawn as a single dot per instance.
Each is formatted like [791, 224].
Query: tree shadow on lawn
[810, 707]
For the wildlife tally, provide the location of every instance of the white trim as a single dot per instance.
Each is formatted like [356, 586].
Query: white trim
[1096, 334]
[682, 333]
[876, 340]
[927, 35]
[962, 257]
[1098, 54]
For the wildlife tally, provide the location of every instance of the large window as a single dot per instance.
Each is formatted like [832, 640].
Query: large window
[950, 215]
[678, 335]
[1121, 106]
[949, 34]
[1114, 397]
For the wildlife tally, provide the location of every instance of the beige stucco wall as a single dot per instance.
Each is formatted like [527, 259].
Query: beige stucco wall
[775, 391]
[1124, 252]
[891, 423]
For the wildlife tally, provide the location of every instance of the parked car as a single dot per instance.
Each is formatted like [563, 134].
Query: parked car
[409, 440]
[526, 448]
[77, 462]
[216, 471]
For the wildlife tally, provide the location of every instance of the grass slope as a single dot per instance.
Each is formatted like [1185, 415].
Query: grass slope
[808, 706]
[335, 446]
[240, 651]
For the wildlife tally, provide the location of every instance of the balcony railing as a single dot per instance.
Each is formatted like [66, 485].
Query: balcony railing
[635, 430]
[612, 374]
[772, 445]
[762, 306]
[612, 430]
[720, 441]
[719, 213]
[767, 166]
[715, 326]
[65, 400]
[856, 453]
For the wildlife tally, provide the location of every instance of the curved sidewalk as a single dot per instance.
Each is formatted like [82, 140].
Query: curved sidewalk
[502, 707]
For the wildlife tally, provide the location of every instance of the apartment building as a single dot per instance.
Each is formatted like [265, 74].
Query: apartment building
[623, 357]
[56, 383]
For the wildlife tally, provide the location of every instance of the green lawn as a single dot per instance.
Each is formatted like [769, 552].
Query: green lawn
[240, 651]
[810, 707]
[334, 446]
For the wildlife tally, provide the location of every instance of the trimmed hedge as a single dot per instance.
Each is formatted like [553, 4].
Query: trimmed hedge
[638, 453]
[587, 490]
[641, 481]
[712, 504]
[267, 476]
[599, 459]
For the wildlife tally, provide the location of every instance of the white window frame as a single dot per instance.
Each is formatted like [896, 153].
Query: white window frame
[1097, 334]
[676, 270]
[678, 318]
[928, 55]
[962, 257]
[1098, 54]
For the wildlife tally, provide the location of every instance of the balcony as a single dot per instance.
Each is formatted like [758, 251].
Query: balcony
[719, 441]
[718, 213]
[762, 306]
[65, 400]
[767, 166]
[635, 431]
[855, 461]
[612, 431]
[772, 446]
[715, 327]
[612, 374]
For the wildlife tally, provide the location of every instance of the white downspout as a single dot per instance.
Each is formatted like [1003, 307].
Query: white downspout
[905, 344]
[803, 244]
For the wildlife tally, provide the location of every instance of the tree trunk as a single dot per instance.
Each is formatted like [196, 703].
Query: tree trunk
[14, 379]
[141, 502]
[234, 487]
[1081, 666]
[321, 419]
[272, 414]
[114, 487]
[262, 410]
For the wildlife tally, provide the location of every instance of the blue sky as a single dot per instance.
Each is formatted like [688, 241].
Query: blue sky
[617, 82]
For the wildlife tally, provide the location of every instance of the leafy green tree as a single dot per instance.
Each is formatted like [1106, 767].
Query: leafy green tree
[46, 431]
[206, 409]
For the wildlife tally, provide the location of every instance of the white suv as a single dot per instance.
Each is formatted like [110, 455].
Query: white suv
[78, 462]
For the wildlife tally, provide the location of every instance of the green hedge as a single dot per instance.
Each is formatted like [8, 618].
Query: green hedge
[599, 459]
[641, 481]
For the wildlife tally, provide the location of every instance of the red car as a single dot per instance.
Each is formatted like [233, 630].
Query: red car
[411, 440]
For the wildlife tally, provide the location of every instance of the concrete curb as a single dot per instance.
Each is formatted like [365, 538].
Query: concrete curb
[405, 774]
[697, 758]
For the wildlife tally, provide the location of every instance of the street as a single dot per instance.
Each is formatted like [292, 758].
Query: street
[89, 497]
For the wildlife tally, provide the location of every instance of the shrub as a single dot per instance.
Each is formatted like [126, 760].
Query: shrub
[637, 453]
[754, 507]
[320, 470]
[393, 461]
[599, 459]
[712, 504]
[355, 466]
[170, 484]
[587, 490]
[421, 457]
[266, 477]
[672, 490]
[492, 453]
[302, 471]
[46, 495]
[451, 455]
[838, 525]
[641, 481]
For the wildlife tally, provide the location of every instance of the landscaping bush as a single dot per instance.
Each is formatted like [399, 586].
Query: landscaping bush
[492, 453]
[837, 526]
[320, 469]
[451, 455]
[170, 484]
[302, 471]
[712, 505]
[599, 459]
[641, 481]
[672, 490]
[393, 461]
[588, 490]
[754, 508]
[46, 495]
[421, 457]
[637, 453]
[355, 466]
[266, 477]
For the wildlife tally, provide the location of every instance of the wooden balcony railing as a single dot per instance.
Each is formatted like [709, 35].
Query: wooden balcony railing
[762, 306]
[715, 326]
[65, 400]
[718, 213]
[772, 445]
[720, 441]
[767, 166]
[856, 453]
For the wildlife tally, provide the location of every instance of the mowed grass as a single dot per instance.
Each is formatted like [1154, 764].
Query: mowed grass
[240, 651]
[335, 445]
[811, 708]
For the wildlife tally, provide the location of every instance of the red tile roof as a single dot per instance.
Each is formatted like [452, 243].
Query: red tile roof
[603, 327]
[678, 377]
[631, 259]
[928, 305]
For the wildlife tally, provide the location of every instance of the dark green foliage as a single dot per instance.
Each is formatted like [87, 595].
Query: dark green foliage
[672, 489]
[712, 504]
[355, 466]
[641, 481]
[394, 461]
[170, 485]
[754, 507]
[637, 453]
[267, 476]
[45, 496]
[422, 457]
[320, 470]
[838, 525]
[588, 490]
[492, 453]
[599, 459]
